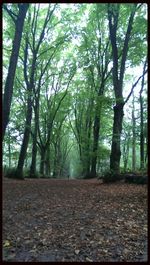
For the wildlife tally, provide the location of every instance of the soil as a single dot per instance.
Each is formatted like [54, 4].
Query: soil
[74, 220]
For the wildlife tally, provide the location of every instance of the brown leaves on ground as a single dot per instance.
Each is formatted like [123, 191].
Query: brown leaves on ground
[74, 220]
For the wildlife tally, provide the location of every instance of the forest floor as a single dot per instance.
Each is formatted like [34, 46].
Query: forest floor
[74, 220]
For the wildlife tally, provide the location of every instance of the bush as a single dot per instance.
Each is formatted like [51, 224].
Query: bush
[110, 177]
[13, 173]
[137, 179]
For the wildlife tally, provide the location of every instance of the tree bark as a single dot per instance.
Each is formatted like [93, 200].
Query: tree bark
[9, 148]
[142, 121]
[95, 144]
[141, 136]
[27, 130]
[8, 91]
[126, 153]
[26, 136]
[133, 139]
[115, 147]
[42, 163]
[34, 147]
[47, 162]
[118, 76]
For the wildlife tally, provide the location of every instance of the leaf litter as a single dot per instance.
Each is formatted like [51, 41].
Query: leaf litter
[74, 220]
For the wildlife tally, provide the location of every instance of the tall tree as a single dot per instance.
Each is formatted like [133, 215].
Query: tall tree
[18, 20]
[133, 136]
[30, 81]
[118, 76]
[142, 122]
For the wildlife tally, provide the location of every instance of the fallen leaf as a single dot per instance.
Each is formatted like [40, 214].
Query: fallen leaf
[6, 243]
[77, 251]
[88, 259]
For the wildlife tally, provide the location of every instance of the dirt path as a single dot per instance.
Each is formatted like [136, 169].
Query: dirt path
[74, 220]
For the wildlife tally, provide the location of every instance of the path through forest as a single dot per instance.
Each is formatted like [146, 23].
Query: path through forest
[74, 220]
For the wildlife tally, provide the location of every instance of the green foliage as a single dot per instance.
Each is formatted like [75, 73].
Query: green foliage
[77, 51]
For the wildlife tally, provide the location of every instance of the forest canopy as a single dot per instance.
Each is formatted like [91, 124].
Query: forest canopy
[74, 89]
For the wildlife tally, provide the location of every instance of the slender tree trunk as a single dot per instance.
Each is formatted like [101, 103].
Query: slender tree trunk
[141, 136]
[26, 137]
[87, 170]
[34, 147]
[115, 147]
[126, 153]
[8, 91]
[142, 122]
[146, 153]
[47, 169]
[95, 145]
[9, 148]
[133, 139]
[42, 163]
[55, 160]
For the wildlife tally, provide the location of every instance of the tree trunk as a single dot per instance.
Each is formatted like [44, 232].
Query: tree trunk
[141, 136]
[26, 137]
[34, 147]
[42, 163]
[9, 148]
[133, 139]
[47, 164]
[95, 145]
[8, 91]
[118, 77]
[126, 153]
[115, 147]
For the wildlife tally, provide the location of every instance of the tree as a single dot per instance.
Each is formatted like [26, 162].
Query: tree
[142, 122]
[30, 81]
[118, 76]
[133, 136]
[126, 144]
[18, 20]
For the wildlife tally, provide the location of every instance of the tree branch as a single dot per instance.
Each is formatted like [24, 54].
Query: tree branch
[134, 85]
[125, 46]
[142, 84]
[11, 14]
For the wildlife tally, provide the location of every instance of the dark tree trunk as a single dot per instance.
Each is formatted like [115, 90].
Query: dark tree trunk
[141, 137]
[34, 155]
[133, 139]
[115, 147]
[142, 122]
[126, 153]
[26, 137]
[47, 164]
[95, 145]
[118, 77]
[8, 92]
[34, 147]
[42, 163]
[9, 148]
